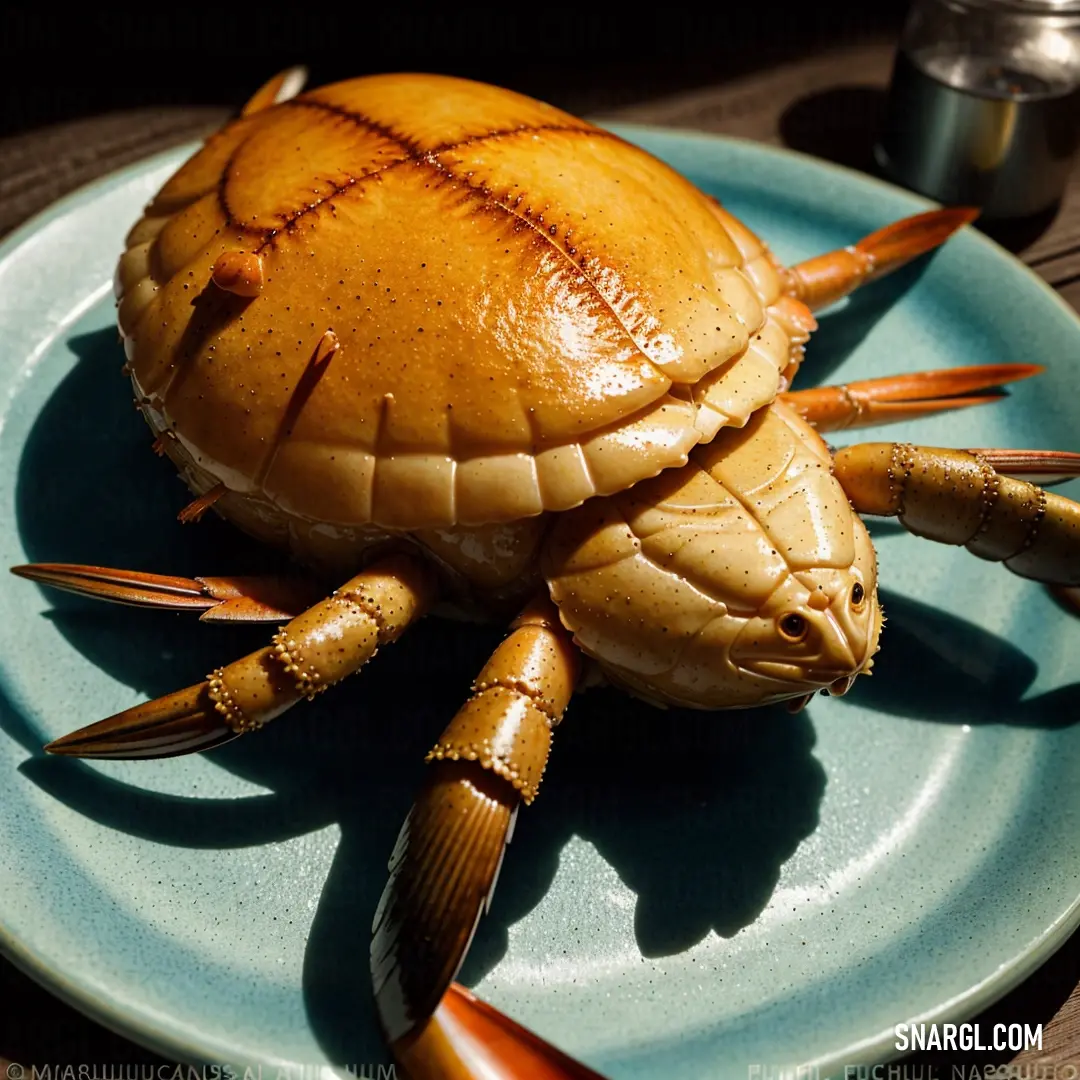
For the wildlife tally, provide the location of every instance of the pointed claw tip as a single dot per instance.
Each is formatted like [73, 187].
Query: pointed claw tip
[965, 215]
[941, 224]
[73, 745]
[76, 745]
[25, 570]
[1016, 372]
[166, 727]
[949, 219]
[57, 748]
[43, 573]
[70, 745]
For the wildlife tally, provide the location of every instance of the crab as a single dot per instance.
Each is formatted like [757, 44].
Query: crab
[462, 353]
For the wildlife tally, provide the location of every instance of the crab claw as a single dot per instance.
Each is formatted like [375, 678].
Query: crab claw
[466, 1038]
[830, 277]
[311, 652]
[179, 723]
[904, 397]
[219, 599]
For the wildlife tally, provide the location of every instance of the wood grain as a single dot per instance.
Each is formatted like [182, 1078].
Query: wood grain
[39, 167]
[828, 105]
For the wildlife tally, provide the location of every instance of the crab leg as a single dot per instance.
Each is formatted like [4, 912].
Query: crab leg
[218, 599]
[488, 761]
[903, 397]
[827, 278]
[958, 497]
[318, 648]
[467, 1038]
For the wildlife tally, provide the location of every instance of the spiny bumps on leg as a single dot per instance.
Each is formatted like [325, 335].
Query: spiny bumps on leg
[287, 651]
[226, 706]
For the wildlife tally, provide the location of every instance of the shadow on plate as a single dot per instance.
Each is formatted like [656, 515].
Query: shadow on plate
[696, 817]
[672, 818]
[965, 675]
[843, 327]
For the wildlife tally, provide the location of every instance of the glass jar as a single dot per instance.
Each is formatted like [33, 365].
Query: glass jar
[984, 106]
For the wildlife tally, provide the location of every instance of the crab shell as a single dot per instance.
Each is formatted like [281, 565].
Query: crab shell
[525, 311]
[425, 311]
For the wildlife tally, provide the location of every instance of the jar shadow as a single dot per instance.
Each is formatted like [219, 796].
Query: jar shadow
[842, 125]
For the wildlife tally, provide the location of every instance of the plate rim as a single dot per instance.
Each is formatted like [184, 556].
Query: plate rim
[875, 1048]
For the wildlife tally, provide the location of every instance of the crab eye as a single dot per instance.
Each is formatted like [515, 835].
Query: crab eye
[858, 594]
[793, 627]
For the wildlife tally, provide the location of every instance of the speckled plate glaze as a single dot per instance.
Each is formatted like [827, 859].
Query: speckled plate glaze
[691, 894]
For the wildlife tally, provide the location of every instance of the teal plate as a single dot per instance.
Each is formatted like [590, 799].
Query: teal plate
[692, 895]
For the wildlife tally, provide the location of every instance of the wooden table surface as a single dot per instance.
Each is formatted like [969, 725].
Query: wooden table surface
[828, 106]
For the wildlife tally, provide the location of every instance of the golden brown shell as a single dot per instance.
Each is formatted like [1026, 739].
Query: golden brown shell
[526, 310]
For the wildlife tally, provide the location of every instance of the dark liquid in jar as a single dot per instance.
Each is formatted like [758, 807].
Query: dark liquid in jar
[979, 130]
